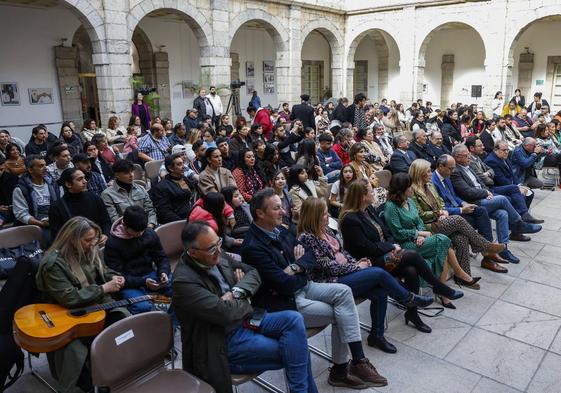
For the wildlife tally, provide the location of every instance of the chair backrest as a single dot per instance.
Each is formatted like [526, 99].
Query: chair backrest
[131, 348]
[152, 169]
[170, 237]
[138, 172]
[16, 236]
[384, 177]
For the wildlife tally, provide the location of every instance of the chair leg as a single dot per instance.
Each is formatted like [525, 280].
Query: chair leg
[36, 374]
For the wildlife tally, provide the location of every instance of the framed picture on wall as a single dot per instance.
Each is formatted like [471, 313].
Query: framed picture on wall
[249, 69]
[268, 88]
[40, 96]
[269, 78]
[268, 66]
[250, 85]
[10, 93]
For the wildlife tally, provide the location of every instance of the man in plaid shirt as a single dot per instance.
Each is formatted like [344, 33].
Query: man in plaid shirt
[155, 144]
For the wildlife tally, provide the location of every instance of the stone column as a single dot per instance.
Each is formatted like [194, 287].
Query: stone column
[68, 83]
[408, 63]
[447, 81]
[161, 68]
[289, 63]
[350, 81]
[525, 69]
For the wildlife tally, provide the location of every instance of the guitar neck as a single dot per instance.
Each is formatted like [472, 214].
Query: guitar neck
[110, 306]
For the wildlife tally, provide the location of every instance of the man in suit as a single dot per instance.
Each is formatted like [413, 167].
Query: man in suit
[468, 187]
[420, 148]
[283, 265]
[476, 215]
[523, 159]
[504, 183]
[401, 159]
[304, 112]
[436, 146]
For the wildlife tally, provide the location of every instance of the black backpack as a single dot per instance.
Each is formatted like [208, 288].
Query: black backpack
[20, 290]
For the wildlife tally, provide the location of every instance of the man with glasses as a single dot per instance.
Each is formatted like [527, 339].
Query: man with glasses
[222, 333]
[523, 159]
[134, 250]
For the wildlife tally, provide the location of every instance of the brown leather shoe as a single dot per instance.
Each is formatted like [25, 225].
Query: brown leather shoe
[493, 266]
[495, 258]
[340, 377]
[366, 372]
[495, 248]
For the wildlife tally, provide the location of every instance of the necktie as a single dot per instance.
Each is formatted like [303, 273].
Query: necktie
[450, 196]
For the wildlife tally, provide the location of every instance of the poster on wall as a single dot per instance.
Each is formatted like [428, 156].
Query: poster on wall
[40, 96]
[10, 93]
[250, 85]
[268, 66]
[268, 78]
[268, 88]
[249, 69]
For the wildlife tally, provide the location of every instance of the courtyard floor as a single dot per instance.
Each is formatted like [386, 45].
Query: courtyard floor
[503, 338]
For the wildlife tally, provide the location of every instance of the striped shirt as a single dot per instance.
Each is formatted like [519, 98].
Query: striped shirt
[155, 149]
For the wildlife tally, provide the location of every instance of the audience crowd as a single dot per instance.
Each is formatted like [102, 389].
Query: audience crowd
[307, 211]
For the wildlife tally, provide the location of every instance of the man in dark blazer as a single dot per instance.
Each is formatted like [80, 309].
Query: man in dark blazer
[420, 148]
[468, 187]
[505, 183]
[477, 216]
[401, 158]
[436, 146]
[304, 112]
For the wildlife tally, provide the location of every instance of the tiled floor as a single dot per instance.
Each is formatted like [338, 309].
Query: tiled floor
[503, 338]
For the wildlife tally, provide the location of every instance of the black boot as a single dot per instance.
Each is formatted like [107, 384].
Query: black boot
[412, 316]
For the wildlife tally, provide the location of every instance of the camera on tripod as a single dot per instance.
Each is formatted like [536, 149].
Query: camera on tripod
[236, 84]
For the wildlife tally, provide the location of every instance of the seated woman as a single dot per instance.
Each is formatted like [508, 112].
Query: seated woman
[402, 217]
[379, 159]
[365, 235]
[307, 157]
[358, 155]
[279, 185]
[89, 130]
[334, 264]
[72, 274]
[431, 210]
[242, 213]
[271, 163]
[15, 164]
[382, 139]
[115, 132]
[301, 187]
[552, 157]
[247, 175]
[109, 154]
[338, 189]
[380, 193]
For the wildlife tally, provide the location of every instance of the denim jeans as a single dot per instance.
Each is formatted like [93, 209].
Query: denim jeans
[145, 306]
[479, 219]
[375, 284]
[517, 200]
[500, 210]
[279, 343]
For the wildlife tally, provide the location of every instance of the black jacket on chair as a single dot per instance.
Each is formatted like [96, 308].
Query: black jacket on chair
[423, 152]
[361, 238]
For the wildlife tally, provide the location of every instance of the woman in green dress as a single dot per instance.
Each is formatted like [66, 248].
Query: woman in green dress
[402, 218]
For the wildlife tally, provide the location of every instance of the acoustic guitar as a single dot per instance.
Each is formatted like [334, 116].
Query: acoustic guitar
[42, 328]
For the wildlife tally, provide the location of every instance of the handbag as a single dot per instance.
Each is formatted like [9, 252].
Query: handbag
[393, 260]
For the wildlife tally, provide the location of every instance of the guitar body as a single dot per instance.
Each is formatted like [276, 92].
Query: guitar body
[47, 327]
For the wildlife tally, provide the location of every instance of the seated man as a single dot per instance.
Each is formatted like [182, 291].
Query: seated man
[8, 183]
[96, 181]
[401, 158]
[504, 183]
[436, 145]
[476, 215]
[61, 161]
[468, 187]
[523, 159]
[420, 148]
[172, 196]
[135, 250]
[283, 266]
[155, 144]
[77, 201]
[228, 161]
[34, 194]
[328, 159]
[221, 332]
[124, 192]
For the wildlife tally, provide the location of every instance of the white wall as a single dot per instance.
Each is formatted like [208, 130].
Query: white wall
[254, 45]
[539, 38]
[469, 57]
[317, 48]
[27, 44]
[183, 54]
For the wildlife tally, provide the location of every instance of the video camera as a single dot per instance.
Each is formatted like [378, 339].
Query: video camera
[236, 84]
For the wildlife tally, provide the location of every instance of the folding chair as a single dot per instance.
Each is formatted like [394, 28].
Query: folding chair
[170, 237]
[152, 169]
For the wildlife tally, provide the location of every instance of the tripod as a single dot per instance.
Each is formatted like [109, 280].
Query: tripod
[234, 102]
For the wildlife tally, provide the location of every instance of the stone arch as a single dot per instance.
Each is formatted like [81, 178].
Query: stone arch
[92, 21]
[448, 61]
[145, 52]
[331, 33]
[280, 37]
[192, 16]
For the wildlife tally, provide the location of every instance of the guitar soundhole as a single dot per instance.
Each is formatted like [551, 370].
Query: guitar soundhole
[46, 319]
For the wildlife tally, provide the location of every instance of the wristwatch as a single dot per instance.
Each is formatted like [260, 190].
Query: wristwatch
[238, 293]
[294, 267]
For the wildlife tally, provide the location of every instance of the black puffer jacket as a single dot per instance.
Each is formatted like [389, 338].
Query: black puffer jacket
[171, 202]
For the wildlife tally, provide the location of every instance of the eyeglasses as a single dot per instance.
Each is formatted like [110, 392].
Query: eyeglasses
[212, 249]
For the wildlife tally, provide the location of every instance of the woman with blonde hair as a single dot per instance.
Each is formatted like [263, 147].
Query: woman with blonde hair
[194, 136]
[115, 132]
[334, 264]
[73, 275]
[402, 217]
[358, 154]
[439, 220]
[365, 235]
[377, 158]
